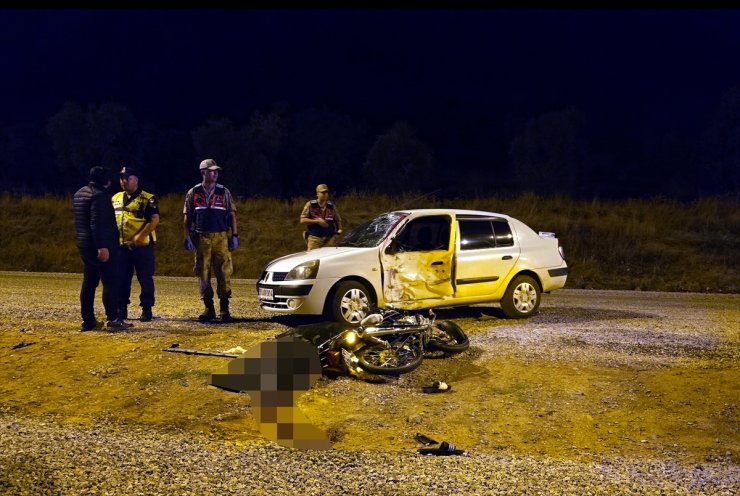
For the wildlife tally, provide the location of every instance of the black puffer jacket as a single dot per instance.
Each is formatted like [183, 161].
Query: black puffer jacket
[95, 221]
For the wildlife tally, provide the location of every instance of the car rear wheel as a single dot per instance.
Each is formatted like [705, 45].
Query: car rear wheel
[351, 303]
[522, 298]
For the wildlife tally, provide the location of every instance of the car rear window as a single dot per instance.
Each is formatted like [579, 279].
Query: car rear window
[503, 233]
[478, 234]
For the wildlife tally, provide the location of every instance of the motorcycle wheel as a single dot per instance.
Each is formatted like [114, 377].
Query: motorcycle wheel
[395, 360]
[448, 337]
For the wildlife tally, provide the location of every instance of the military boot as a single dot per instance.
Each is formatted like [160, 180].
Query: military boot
[209, 313]
[224, 307]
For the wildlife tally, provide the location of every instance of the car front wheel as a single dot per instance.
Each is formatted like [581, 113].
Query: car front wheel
[351, 303]
[522, 298]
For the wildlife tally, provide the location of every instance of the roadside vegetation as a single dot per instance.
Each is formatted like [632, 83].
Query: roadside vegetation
[658, 244]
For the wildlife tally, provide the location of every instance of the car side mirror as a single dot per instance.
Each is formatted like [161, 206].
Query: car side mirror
[392, 247]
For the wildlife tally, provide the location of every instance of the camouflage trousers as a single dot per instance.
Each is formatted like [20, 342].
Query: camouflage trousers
[212, 256]
[313, 242]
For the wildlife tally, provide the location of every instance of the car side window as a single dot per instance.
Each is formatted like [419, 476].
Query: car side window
[476, 234]
[425, 234]
[503, 233]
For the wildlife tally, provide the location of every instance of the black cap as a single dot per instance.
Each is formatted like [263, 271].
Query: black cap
[129, 171]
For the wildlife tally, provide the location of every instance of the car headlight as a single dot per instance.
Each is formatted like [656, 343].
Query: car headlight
[306, 270]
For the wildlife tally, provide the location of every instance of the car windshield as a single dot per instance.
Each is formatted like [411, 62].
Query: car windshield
[372, 232]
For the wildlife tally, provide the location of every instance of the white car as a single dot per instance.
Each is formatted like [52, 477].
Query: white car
[415, 259]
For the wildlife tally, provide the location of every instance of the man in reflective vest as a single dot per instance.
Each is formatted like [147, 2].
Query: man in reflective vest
[137, 215]
[210, 230]
[321, 218]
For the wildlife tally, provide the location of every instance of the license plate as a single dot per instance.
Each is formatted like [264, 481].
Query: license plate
[347, 359]
[265, 293]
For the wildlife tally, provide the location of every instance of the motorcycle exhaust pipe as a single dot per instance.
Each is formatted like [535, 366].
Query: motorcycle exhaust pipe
[384, 331]
[364, 335]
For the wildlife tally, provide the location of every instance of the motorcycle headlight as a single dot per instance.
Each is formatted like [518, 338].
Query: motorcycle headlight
[350, 338]
[306, 270]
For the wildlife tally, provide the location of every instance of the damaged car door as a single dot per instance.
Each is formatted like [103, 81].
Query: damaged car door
[417, 262]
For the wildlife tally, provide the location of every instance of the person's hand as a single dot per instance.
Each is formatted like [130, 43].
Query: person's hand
[139, 240]
[233, 242]
[103, 254]
[188, 245]
[323, 223]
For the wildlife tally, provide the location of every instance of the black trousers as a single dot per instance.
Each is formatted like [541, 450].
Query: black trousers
[141, 260]
[93, 272]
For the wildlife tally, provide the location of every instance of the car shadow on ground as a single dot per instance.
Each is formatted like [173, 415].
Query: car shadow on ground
[559, 314]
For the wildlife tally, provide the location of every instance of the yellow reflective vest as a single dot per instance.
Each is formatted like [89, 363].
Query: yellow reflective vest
[131, 217]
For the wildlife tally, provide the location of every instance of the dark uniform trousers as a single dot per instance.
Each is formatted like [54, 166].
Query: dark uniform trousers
[94, 271]
[140, 259]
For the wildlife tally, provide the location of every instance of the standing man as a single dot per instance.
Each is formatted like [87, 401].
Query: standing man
[97, 242]
[137, 215]
[322, 219]
[210, 230]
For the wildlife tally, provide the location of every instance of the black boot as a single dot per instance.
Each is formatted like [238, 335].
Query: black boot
[224, 307]
[146, 314]
[209, 313]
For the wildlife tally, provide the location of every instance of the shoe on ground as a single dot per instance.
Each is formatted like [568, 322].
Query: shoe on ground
[117, 325]
[226, 317]
[444, 449]
[146, 315]
[90, 326]
[437, 387]
[208, 315]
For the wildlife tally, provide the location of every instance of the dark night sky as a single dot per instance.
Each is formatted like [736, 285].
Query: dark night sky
[630, 71]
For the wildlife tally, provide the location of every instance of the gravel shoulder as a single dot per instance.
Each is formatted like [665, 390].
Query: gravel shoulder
[602, 392]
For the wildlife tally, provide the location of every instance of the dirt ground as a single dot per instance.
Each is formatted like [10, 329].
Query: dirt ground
[632, 374]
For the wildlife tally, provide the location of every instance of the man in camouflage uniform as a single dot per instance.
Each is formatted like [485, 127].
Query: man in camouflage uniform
[321, 218]
[210, 230]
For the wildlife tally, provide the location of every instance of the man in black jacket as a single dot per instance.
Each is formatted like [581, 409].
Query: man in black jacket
[97, 242]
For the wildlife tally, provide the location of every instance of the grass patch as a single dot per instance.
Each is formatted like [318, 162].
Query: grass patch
[658, 244]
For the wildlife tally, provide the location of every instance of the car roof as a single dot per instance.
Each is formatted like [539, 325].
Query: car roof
[456, 211]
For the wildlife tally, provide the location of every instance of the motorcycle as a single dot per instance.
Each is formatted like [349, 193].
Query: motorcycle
[387, 342]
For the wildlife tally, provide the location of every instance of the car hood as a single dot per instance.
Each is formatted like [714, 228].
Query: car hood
[286, 263]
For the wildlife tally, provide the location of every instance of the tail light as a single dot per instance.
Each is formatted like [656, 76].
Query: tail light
[560, 249]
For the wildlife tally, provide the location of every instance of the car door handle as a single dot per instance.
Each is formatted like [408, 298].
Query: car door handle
[507, 257]
[437, 263]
